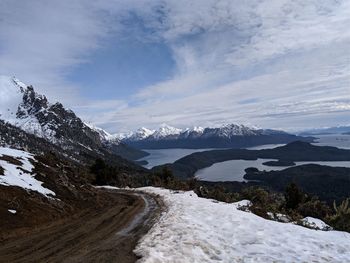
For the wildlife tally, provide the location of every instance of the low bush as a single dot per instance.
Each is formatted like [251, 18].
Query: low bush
[340, 220]
[314, 208]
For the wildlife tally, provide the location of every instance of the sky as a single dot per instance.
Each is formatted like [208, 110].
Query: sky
[121, 64]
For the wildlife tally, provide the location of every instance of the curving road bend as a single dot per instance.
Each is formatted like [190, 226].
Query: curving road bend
[109, 235]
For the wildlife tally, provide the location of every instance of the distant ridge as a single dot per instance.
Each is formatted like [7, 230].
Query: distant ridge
[226, 136]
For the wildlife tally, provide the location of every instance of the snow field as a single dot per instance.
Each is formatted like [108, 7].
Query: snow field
[195, 229]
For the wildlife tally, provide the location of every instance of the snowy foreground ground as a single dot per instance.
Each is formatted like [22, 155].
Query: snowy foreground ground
[201, 230]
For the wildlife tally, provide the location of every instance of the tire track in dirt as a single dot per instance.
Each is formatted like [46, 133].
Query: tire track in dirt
[107, 235]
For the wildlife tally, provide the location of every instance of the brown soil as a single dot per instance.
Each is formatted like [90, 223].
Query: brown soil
[106, 233]
[79, 224]
[11, 160]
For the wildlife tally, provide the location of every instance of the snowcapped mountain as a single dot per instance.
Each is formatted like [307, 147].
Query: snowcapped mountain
[141, 134]
[230, 130]
[197, 129]
[194, 132]
[165, 131]
[104, 135]
[225, 131]
[24, 108]
[168, 132]
[228, 135]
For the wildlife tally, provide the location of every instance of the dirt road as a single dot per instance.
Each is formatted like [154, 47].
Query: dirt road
[106, 235]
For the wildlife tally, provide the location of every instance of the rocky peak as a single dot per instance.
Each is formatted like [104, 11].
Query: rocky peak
[165, 131]
[32, 103]
[32, 113]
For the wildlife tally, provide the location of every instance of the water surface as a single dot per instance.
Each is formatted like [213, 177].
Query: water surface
[336, 140]
[233, 170]
[163, 156]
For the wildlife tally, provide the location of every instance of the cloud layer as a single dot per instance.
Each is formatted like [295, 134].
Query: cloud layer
[277, 63]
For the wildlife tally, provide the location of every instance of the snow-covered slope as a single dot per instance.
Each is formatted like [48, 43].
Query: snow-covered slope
[104, 135]
[18, 171]
[22, 107]
[140, 134]
[143, 133]
[165, 131]
[11, 96]
[201, 230]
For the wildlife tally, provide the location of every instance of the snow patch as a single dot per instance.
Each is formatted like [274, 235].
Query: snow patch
[243, 205]
[109, 187]
[20, 175]
[279, 217]
[315, 223]
[195, 229]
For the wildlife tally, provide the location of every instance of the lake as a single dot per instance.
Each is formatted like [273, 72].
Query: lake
[340, 141]
[163, 156]
[234, 170]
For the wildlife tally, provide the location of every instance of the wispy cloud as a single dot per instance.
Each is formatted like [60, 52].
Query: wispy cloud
[253, 61]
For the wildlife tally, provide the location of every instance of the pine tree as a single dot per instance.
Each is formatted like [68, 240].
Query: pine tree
[294, 196]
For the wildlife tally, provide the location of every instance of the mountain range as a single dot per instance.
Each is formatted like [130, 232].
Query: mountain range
[22, 107]
[226, 136]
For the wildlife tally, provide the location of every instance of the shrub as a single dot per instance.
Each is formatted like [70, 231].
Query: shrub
[314, 208]
[263, 201]
[217, 193]
[294, 196]
[341, 219]
[256, 195]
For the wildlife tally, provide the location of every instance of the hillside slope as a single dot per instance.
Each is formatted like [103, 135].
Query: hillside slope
[22, 107]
